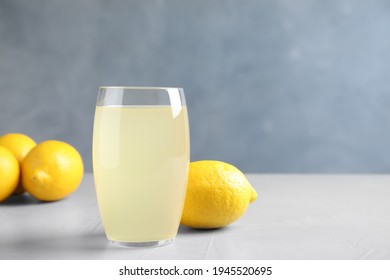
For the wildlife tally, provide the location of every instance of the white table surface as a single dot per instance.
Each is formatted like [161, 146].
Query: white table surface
[295, 217]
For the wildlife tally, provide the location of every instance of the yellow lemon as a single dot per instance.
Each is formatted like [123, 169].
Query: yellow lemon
[217, 195]
[19, 144]
[52, 170]
[9, 173]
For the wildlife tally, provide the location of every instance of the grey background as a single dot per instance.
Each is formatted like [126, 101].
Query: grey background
[271, 85]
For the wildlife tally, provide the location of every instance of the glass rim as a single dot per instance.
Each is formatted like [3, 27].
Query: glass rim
[140, 95]
[140, 87]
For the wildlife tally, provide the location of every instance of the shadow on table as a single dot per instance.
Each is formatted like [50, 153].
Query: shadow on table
[187, 230]
[20, 200]
[64, 247]
[88, 246]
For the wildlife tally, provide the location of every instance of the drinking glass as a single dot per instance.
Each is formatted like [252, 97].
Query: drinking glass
[140, 163]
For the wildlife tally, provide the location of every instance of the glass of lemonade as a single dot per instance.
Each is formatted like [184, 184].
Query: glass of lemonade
[140, 163]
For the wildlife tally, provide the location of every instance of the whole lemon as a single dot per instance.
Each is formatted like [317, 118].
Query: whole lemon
[52, 170]
[217, 195]
[19, 144]
[9, 173]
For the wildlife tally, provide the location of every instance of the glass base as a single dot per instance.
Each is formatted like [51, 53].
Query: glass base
[142, 244]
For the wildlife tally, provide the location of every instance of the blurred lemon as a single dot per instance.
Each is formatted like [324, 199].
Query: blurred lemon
[52, 170]
[9, 173]
[217, 195]
[19, 144]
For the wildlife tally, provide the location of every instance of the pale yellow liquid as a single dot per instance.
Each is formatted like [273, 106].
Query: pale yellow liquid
[140, 163]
